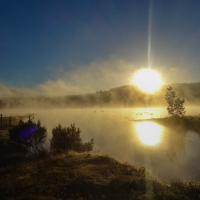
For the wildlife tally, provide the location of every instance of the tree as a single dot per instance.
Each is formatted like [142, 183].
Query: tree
[65, 139]
[29, 135]
[175, 104]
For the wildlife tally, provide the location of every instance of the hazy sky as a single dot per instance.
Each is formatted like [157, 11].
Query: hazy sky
[42, 39]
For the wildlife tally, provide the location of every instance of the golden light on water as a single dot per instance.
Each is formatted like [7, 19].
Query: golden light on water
[149, 133]
[147, 80]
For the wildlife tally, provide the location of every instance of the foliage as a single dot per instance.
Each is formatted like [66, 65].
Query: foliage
[85, 176]
[65, 139]
[10, 152]
[175, 104]
[29, 135]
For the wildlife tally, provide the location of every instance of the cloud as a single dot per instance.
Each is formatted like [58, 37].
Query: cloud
[90, 78]
[10, 91]
[99, 75]
[58, 87]
[175, 74]
[6, 91]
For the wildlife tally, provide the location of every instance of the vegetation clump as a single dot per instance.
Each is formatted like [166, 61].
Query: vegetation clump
[175, 104]
[65, 139]
[29, 135]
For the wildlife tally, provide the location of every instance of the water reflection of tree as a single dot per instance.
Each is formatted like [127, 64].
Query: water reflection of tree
[176, 142]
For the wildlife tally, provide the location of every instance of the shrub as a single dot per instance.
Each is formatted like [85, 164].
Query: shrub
[65, 139]
[29, 135]
[175, 104]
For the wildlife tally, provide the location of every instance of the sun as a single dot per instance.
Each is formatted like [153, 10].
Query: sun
[147, 80]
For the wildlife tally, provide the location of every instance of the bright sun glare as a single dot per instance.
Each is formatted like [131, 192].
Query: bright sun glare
[147, 80]
[149, 133]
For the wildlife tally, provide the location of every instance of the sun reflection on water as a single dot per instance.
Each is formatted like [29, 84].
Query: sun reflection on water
[149, 133]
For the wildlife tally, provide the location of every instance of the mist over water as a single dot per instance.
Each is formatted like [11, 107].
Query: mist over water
[175, 155]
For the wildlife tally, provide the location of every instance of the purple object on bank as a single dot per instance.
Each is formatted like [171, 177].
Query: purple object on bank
[27, 132]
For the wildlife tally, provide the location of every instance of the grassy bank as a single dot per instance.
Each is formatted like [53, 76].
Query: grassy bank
[85, 176]
[187, 122]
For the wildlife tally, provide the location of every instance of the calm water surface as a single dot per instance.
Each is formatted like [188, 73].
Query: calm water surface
[167, 154]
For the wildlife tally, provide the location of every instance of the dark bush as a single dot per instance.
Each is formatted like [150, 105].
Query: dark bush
[10, 152]
[65, 139]
[30, 136]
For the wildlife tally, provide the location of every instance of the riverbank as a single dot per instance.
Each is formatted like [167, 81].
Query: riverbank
[86, 176]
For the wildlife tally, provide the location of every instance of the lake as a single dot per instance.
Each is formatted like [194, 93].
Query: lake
[167, 154]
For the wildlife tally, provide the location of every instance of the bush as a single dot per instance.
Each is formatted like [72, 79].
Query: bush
[65, 139]
[175, 104]
[10, 152]
[30, 136]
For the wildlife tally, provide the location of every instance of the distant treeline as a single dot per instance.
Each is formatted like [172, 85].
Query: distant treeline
[120, 96]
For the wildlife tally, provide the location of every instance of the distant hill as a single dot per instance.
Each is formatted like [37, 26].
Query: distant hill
[120, 96]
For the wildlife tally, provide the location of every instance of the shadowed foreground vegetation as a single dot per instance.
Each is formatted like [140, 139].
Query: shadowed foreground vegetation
[86, 176]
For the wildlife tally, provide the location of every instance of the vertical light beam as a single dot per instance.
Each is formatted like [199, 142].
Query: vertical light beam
[149, 59]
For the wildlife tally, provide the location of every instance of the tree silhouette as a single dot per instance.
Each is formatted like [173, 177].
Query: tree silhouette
[29, 135]
[65, 139]
[175, 104]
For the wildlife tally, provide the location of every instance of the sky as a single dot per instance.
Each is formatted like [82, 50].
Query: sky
[45, 43]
